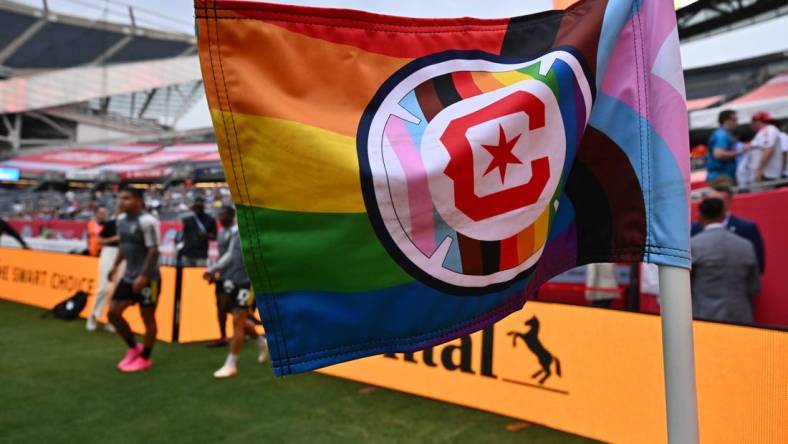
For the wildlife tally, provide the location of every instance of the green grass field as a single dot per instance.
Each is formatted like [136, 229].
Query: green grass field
[58, 383]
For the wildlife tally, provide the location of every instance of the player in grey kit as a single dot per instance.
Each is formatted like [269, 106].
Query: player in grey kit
[139, 246]
[229, 273]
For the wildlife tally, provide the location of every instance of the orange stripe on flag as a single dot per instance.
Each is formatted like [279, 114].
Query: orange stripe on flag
[525, 243]
[290, 77]
[485, 81]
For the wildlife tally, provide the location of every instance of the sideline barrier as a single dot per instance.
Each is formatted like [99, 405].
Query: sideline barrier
[43, 279]
[198, 309]
[611, 386]
[611, 382]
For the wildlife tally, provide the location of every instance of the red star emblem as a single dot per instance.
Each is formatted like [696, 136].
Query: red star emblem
[502, 154]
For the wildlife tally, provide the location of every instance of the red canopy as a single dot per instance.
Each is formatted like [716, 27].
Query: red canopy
[703, 102]
[775, 88]
[77, 158]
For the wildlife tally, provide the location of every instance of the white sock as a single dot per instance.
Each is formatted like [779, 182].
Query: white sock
[231, 360]
[261, 342]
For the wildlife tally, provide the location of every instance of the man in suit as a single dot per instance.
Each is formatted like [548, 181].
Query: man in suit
[724, 269]
[723, 189]
[198, 230]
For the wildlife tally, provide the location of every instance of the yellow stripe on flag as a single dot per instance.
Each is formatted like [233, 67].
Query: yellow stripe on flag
[542, 225]
[289, 166]
[510, 77]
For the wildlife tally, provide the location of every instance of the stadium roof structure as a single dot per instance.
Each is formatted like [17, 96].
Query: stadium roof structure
[37, 38]
[771, 97]
[84, 83]
[66, 79]
[736, 56]
[706, 16]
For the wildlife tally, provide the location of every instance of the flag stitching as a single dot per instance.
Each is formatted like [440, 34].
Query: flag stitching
[231, 149]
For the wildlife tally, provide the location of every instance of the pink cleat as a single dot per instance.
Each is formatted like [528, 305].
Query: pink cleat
[131, 355]
[139, 364]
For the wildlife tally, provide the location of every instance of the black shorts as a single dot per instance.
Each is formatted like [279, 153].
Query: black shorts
[241, 296]
[219, 287]
[147, 297]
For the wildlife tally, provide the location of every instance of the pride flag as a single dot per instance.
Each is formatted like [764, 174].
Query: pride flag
[402, 182]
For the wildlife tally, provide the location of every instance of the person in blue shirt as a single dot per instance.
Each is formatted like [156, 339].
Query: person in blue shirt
[722, 148]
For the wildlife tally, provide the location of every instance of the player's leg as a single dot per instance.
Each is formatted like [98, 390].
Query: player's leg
[148, 315]
[222, 309]
[230, 368]
[112, 290]
[242, 301]
[120, 302]
[245, 300]
[262, 344]
[147, 299]
[223, 304]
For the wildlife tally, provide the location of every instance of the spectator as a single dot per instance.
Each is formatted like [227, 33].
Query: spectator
[767, 141]
[723, 189]
[6, 228]
[108, 242]
[198, 230]
[722, 152]
[724, 269]
[18, 207]
[94, 229]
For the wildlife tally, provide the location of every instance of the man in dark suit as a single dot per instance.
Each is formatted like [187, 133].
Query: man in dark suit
[724, 270]
[198, 230]
[723, 189]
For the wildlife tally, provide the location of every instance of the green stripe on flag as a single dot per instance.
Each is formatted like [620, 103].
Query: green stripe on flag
[296, 251]
[550, 79]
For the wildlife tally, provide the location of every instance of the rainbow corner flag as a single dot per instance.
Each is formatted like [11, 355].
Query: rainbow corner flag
[402, 182]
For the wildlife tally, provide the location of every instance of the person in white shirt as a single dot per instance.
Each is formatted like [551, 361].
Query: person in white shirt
[767, 140]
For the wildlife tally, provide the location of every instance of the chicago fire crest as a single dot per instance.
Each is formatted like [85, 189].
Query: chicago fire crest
[463, 157]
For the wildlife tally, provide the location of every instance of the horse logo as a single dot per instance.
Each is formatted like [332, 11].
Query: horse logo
[531, 339]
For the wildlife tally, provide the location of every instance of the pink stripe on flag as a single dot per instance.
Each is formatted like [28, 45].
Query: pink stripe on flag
[668, 110]
[619, 81]
[422, 224]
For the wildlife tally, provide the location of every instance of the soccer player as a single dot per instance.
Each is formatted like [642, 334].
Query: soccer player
[229, 273]
[141, 282]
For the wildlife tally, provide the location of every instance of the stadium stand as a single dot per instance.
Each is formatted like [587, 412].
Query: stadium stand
[67, 79]
[61, 41]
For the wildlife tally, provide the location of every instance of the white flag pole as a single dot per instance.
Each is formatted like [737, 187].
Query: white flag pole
[678, 355]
